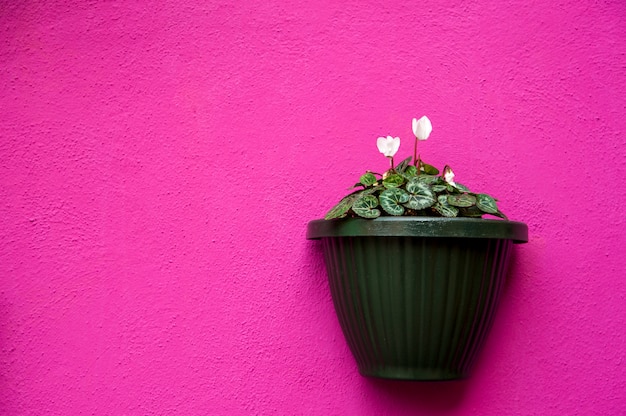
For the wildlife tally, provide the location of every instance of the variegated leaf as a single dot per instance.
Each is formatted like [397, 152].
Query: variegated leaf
[429, 179]
[410, 171]
[404, 164]
[486, 204]
[420, 195]
[391, 200]
[462, 200]
[341, 209]
[393, 181]
[444, 208]
[461, 188]
[366, 207]
[367, 179]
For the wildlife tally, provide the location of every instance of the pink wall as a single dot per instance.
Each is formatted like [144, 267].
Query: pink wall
[159, 163]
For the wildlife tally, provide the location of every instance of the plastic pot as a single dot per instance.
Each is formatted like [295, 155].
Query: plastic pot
[416, 296]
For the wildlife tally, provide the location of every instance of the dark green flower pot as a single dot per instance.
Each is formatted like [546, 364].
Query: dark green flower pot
[416, 296]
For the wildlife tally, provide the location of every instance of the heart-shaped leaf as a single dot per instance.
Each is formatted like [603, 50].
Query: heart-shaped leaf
[429, 179]
[462, 200]
[393, 181]
[444, 208]
[392, 199]
[420, 195]
[366, 207]
[410, 171]
[368, 179]
[341, 209]
[486, 204]
[462, 188]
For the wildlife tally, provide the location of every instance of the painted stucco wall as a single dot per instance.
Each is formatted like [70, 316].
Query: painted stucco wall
[159, 162]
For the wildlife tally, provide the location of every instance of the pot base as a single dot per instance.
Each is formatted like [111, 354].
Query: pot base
[413, 374]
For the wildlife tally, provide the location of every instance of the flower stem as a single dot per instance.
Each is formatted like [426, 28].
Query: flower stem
[415, 153]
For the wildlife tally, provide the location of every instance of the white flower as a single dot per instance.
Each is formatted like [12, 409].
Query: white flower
[448, 175]
[388, 146]
[422, 128]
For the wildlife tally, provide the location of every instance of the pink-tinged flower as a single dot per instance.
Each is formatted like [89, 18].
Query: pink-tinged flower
[448, 175]
[422, 128]
[388, 146]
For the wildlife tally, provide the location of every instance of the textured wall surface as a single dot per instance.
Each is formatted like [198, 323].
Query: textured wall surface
[159, 164]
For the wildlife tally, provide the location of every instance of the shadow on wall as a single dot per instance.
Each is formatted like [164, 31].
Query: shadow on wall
[431, 397]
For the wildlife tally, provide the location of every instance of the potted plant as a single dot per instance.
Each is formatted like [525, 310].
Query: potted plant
[415, 271]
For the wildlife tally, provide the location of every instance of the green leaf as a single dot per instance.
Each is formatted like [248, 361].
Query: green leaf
[462, 188]
[438, 188]
[341, 209]
[471, 212]
[393, 181]
[366, 207]
[368, 179]
[420, 195]
[501, 215]
[486, 204]
[370, 191]
[402, 165]
[428, 169]
[462, 200]
[428, 178]
[444, 208]
[410, 171]
[414, 185]
[392, 199]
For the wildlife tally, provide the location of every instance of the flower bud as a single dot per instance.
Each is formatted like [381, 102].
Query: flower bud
[448, 175]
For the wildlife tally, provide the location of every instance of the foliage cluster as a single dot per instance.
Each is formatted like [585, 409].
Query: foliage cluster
[413, 190]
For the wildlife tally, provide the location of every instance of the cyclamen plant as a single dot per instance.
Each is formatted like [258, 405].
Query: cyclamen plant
[412, 189]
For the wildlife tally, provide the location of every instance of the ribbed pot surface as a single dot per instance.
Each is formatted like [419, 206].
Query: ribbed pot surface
[415, 308]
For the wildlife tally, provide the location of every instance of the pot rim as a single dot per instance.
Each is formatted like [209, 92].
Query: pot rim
[419, 227]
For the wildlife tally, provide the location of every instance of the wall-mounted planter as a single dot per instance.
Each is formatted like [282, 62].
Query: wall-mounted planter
[416, 296]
